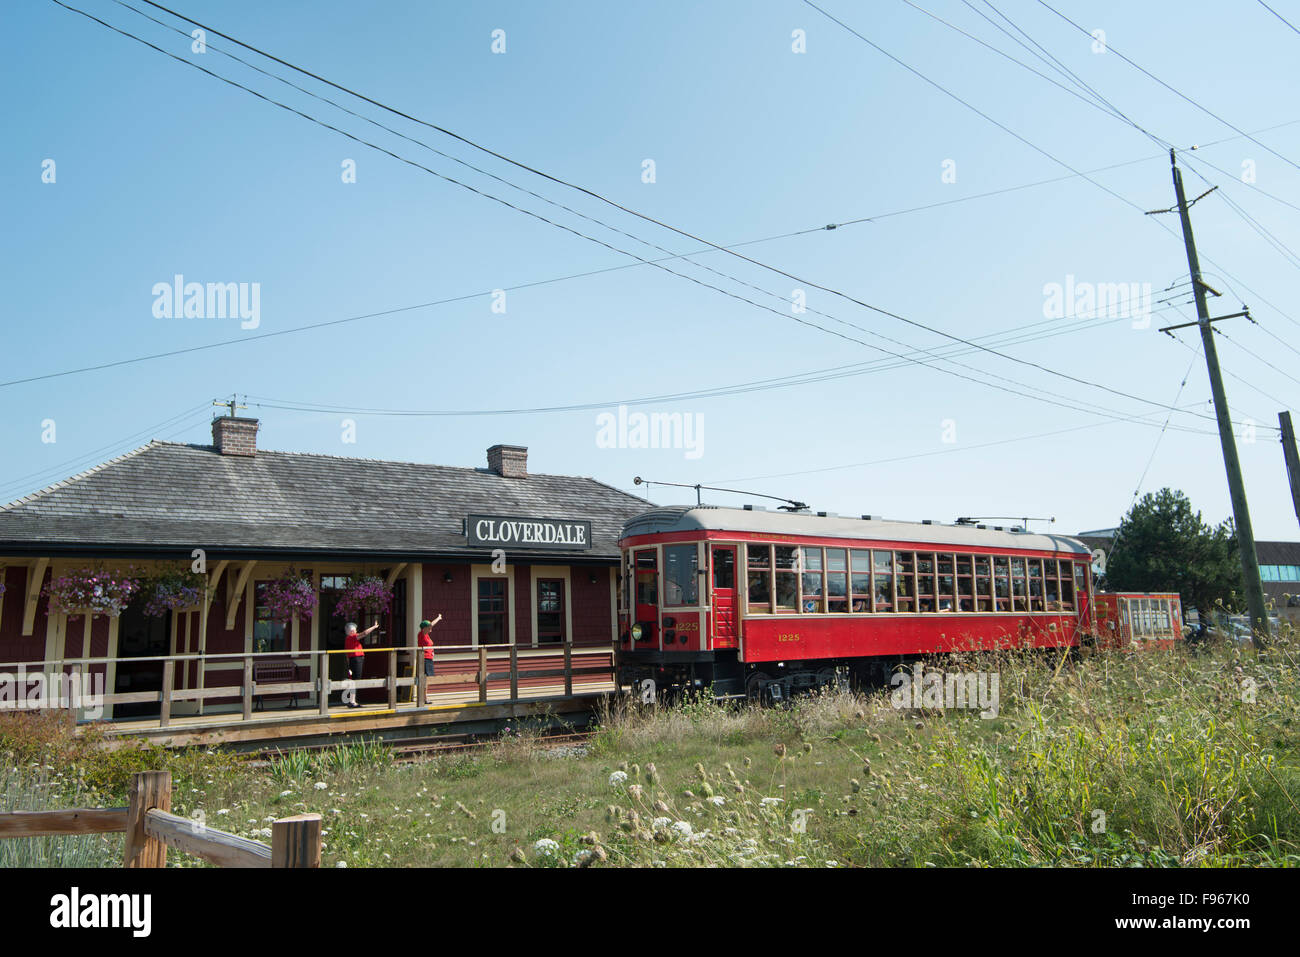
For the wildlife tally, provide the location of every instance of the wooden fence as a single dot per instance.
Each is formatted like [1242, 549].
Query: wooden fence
[472, 668]
[151, 828]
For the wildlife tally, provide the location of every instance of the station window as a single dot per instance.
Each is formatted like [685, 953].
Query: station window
[268, 634]
[811, 590]
[837, 580]
[860, 579]
[492, 628]
[550, 609]
[884, 580]
[787, 577]
[759, 578]
[681, 578]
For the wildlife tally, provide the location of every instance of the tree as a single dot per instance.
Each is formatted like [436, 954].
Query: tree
[1162, 545]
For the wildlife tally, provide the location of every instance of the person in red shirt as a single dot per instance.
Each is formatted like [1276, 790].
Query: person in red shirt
[356, 657]
[426, 642]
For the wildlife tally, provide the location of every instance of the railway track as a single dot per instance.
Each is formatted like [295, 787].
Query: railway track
[412, 749]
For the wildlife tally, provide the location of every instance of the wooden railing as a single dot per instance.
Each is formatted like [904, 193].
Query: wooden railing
[490, 663]
[151, 828]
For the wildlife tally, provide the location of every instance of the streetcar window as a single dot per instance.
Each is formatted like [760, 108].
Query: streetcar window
[787, 578]
[1002, 582]
[837, 580]
[1036, 584]
[983, 583]
[947, 584]
[884, 576]
[860, 579]
[1018, 589]
[724, 568]
[812, 593]
[1067, 592]
[965, 583]
[647, 579]
[925, 581]
[681, 581]
[759, 578]
[905, 581]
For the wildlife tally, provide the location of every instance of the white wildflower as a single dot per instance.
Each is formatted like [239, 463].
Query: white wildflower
[617, 779]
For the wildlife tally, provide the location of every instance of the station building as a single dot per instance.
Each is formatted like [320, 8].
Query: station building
[503, 555]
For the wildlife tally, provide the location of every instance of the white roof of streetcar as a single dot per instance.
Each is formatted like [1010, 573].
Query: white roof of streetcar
[809, 524]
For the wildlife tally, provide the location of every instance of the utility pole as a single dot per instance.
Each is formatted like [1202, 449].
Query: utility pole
[1292, 458]
[1237, 489]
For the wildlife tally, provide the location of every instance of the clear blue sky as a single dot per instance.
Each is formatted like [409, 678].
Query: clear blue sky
[161, 169]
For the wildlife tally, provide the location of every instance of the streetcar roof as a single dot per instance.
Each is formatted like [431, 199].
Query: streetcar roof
[762, 522]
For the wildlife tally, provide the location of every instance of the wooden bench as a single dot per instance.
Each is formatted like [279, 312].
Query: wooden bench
[277, 671]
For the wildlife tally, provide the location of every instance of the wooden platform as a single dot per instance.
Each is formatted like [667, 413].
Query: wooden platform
[444, 710]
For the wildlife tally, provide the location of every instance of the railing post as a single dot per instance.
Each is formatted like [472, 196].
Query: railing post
[392, 679]
[323, 678]
[295, 841]
[165, 706]
[422, 680]
[514, 671]
[482, 674]
[74, 693]
[568, 667]
[149, 790]
[248, 687]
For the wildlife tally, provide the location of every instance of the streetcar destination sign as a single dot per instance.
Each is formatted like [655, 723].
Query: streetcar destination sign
[501, 530]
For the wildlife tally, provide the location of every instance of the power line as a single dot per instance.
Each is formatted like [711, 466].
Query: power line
[1171, 89]
[1278, 15]
[646, 218]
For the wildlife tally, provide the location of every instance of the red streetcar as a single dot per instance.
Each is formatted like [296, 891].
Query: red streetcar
[1139, 619]
[764, 604]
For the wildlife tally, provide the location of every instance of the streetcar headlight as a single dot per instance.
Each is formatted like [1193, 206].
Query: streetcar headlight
[636, 632]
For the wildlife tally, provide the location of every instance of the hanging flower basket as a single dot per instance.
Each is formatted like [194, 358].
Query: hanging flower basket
[364, 596]
[173, 591]
[92, 591]
[290, 596]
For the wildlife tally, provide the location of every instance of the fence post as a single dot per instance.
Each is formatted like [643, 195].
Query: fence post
[392, 679]
[323, 676]
[149, 790]
[165, 706]
[295, 841]
[568, 667]
[248, 687]
[514, 671]
[482, 674]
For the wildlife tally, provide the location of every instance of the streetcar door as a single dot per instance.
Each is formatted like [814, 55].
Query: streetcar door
[724, 596]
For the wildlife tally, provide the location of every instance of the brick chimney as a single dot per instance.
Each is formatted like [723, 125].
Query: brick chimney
[508, 461]
[233, 435]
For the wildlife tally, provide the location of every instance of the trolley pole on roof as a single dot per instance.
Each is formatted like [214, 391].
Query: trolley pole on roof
[1236, 487]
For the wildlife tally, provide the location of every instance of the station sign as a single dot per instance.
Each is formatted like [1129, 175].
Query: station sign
[511, 531]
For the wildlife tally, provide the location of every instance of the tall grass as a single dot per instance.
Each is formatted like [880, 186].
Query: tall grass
[42, 790]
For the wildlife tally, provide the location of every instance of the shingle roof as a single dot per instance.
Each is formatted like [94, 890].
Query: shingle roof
[169, 496]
